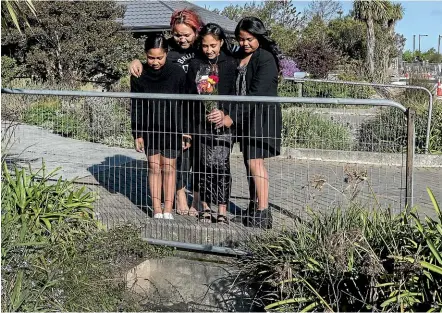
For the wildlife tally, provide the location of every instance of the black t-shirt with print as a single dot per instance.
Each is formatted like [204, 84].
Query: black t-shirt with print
[181, 57]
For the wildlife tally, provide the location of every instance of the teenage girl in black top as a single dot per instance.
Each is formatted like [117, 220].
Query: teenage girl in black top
[212, 145]
[157, 124]
[259, 124]
[185, 26]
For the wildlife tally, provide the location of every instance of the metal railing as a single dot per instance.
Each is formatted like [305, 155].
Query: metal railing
[95, 127]
[299, 92]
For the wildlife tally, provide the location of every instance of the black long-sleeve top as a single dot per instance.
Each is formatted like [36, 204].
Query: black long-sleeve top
[161, 116]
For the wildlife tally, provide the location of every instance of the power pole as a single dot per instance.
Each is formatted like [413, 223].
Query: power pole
[438, 44]
[414, 43]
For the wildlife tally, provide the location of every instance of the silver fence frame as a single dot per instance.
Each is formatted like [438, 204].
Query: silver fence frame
[410, 114]
[341, 82]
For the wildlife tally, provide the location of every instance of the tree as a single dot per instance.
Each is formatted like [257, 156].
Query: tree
[280, 17]
[72, 41]
[17, 11]
[348, 36]
[326, 10]
[314, 52]
[394, 13]
[370, 12]
[408, 56]
[317, 57]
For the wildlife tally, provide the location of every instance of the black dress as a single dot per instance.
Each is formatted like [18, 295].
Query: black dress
[159, 122]
[258, 125]
[212, 178]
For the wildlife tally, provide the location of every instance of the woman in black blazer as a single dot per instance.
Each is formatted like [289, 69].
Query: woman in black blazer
[212, 136]
[258, 124]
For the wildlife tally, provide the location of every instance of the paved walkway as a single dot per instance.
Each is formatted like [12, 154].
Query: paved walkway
[119, 177]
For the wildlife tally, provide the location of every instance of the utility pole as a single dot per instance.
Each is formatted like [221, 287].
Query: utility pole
[438, 44]
[420, 41]
[414, 43]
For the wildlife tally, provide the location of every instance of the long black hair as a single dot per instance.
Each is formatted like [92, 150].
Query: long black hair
[156, 41]
[218, 33]
[255, 26]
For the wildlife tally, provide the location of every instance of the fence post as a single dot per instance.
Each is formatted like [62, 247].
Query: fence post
[411, 114]
[430, 110]
[299, 84]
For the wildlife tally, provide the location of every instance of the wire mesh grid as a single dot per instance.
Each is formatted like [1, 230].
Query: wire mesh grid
[330, 158]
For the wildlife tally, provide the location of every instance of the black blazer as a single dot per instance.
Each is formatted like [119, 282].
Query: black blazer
[261, 122]
[226, 86]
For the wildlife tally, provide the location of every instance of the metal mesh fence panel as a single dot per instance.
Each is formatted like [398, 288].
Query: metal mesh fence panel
[326, 156]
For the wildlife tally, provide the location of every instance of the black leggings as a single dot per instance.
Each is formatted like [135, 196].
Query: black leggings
[212, 178]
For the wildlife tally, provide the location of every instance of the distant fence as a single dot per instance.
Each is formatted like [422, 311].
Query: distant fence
[349, 89]
[422, 68]
[88, 135]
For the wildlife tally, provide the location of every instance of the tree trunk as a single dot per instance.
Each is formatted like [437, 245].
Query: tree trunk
[387, 52]
[58, 54]
[371, 41]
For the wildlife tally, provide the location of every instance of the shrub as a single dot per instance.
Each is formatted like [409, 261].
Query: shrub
[10, 70]
[305, 129]
[103, 120]
[42, 112]
[109, 120]
[386, 132]
[352, 260]
[325, 90]
[55, 256]
[316, 56]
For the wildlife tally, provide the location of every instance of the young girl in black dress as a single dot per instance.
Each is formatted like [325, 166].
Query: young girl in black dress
[212, 72]
[156, 124]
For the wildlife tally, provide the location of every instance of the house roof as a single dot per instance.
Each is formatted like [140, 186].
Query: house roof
[147, 16]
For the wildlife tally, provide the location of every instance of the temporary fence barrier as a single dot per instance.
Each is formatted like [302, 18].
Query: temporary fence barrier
[350, 89]
[324, 163]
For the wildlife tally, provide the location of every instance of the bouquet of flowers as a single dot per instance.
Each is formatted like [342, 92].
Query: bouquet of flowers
[206, 84]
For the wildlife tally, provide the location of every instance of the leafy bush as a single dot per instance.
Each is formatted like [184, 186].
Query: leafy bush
[10, 70]
[303, 128]
[42, 112]
[103, 120]
[55, 256]
[386, 132]
[352, 260]
[315, 56]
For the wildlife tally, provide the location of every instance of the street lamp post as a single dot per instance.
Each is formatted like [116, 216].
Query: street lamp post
[414, 43]
[420, 41]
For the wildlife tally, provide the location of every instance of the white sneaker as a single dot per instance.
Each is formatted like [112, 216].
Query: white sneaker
[158, 215]
[168, 216]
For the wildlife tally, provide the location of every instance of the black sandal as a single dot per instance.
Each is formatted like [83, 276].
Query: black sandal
[222, 219]
[205, 216]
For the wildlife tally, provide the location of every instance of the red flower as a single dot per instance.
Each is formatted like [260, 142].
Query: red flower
[215, 78]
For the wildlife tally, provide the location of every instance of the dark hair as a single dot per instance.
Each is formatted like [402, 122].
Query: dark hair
[156, 41]
[218, 33]
[255, 26]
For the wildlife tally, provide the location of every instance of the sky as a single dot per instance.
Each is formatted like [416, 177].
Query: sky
[420, 17]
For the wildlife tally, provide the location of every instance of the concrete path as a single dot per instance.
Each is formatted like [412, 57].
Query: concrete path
[119, 177]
